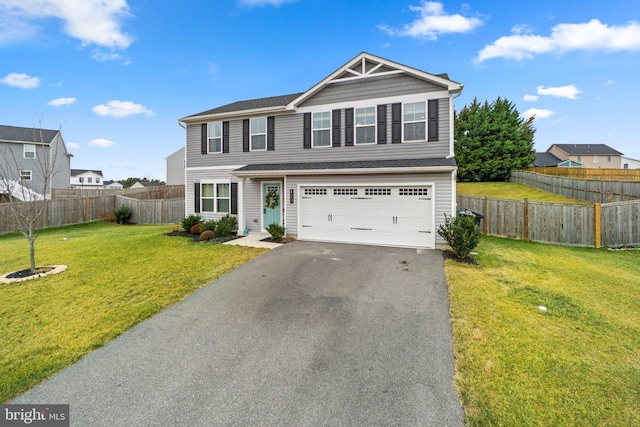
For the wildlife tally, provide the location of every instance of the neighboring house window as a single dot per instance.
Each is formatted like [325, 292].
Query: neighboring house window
[81, 179]
[579, 158]
[366, 125]
[259, 134]
[215, 137]
[97, 180]
[415, 121]
[29, 151]
[215, 197]
[595, 159]
[89, 180]
[321, 129]
[609, 159]
[25, 175]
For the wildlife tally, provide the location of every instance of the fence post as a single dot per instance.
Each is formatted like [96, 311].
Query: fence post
[484, 220]
[525, 228]
[86, 209]
[598, 229]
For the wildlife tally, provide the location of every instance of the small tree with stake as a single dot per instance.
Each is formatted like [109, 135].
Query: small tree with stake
[27, 207]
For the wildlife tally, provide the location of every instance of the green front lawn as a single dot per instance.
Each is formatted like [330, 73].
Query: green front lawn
[577, 364]
[117, 277]
[511, 190]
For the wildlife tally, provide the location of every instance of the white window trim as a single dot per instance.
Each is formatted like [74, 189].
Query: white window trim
[375, 127]
[251, 134]
[595, 159]
[425, 121]
[22, 178]
[313, 129]
[209, 138]
[215, 195]
[24, 151]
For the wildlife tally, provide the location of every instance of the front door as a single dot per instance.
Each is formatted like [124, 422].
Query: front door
[271, 203]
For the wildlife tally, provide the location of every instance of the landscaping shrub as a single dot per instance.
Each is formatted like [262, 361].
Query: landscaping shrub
[461, 233]
[276, 231]
[207, 235]
[175, 227]
[208, 225]
[226, 225]
[122, 214]
[195, 228]
[190, 221]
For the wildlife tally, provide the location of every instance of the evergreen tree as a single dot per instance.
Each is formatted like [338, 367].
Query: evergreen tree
[491, 140]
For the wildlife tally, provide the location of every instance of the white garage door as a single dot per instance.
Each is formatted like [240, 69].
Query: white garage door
[381, 215]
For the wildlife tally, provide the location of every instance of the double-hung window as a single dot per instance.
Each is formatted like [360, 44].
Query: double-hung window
[259, 134]
[415, 121]
[215, 197]
[321, 129]
[366, 125]
[29, 151]
[25, 175]
[89, 180]
[215, 137]
[595, 159]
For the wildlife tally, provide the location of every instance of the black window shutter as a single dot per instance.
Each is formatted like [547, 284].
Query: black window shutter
[306, 137]
[225, 137]
[348, 127]
[433, 120]
[204, 141]
[271, 133]
[196, 197]
[336, 128]
[234, 197]
[382, 124]
[396, 123]
[245, 135]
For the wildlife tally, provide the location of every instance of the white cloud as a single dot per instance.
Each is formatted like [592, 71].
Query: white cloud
[569, 91]
[522, 29]
[73, 145]
[590, 36]
[265, 2]
[21, 80]
[530, 98]
[61, 101]
[539, 113]
[432, 22]
[91, 21]
[121, 109]
[609, 82]
[101, 142]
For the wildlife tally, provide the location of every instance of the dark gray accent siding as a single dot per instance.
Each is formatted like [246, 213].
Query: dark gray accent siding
[370, 88]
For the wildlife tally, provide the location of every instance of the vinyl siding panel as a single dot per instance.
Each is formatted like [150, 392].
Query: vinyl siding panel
[370, 88]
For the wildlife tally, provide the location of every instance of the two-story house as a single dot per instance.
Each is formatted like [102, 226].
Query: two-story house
[364, 156]
[587, 155]
[33, 160]
[86, 178]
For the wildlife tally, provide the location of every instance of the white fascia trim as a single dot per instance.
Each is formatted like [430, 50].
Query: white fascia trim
[213, 168]
[231, 114]
[424, 96]
[355, 171]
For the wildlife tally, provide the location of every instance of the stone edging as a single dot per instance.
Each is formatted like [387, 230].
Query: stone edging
[56, 269]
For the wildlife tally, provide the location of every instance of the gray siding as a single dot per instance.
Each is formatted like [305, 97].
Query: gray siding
[288, 144]
[13, 161]
[198, 176]
[62, 164]
[370, 88]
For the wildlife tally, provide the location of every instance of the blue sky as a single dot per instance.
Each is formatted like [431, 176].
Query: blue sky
[115, 75]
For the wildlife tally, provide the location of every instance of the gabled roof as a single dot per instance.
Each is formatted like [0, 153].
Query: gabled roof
[27, 135]
[363, 66]
[75, 172]
[546, 159]
[587, 149]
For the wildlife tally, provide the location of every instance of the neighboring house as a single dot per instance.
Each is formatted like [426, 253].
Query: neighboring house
[588, 155]
[629, 163]
[25, 156]
[113, 185]
[175, 167]
[146, 184]
[364, 156]
[545, 160]
[86, 178]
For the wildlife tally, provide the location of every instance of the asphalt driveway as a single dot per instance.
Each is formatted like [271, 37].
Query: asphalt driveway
[307, 334]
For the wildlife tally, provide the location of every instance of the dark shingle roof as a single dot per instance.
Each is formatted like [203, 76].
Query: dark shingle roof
[251, 104]
[546, 159]
[81, 171]
[362, 164]
[588, 149]
[28, 135]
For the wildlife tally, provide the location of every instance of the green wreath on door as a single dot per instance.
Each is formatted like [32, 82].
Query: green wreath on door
[271, 199]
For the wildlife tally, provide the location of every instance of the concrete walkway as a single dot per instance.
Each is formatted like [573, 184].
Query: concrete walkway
[254, 240]
[308, 334]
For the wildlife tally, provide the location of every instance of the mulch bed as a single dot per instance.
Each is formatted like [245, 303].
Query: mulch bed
[283, 241]
[465, 260]
[27, 272]
[196, 238]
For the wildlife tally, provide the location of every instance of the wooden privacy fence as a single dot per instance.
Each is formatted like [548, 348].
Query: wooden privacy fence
[591, 173]
[609, 224]
[590, 190]
[157, 211]
[157, 192]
